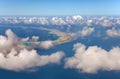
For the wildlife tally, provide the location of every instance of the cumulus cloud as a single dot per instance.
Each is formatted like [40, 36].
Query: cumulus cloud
[57, 21]
[118, 21]
[113, 32]
[77, 17]
[27, 59]
[89, 22]
[35, 38]
[15, 56]
[42, 20]
[46, 44]
[104, 21]
[93, 59]
[86, 31]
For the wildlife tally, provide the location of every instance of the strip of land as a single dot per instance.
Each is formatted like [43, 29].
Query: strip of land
[62, 37]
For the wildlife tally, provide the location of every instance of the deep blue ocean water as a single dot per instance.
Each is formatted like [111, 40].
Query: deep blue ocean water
[53, 71]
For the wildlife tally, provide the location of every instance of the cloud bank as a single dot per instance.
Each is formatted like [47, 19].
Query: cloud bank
[93, 59]
[104, 21]
[14, 56]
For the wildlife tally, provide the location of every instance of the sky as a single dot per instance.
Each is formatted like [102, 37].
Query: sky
[59, 7]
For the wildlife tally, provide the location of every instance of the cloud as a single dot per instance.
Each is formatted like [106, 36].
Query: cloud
[35, 38]
[46, 44]
[113, 32]
[77, 17]
[89, 22]
[27, 59]
[93, 59]
[15, 56]
[42, 20]
[84, 32]
[57, 21]
[118, 21]
[104, 21]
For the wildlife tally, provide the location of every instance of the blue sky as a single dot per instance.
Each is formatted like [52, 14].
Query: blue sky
[59, 7]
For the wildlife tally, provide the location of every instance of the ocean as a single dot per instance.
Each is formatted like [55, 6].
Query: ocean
[53, 71]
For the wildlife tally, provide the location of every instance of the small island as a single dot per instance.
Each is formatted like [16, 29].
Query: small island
[62, 37]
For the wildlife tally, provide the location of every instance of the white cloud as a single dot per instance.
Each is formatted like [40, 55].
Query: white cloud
[46, 44]
[42, 20]
[15, 56]
[57, 21]
[113, 32]
[35, 38]
[77, 17]
[89, 22]
[86, 31]
[118, 21]
[27, 59]
[104, 21]
[93, 59]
